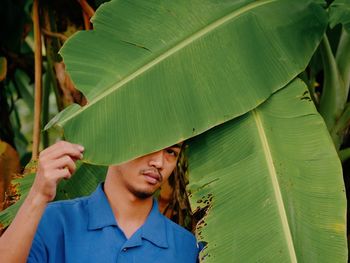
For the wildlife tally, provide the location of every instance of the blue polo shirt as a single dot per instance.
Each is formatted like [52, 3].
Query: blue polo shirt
[85, 230]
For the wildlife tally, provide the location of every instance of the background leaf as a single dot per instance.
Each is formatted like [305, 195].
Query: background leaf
[339, 12]
[21, 186]
[82, 183]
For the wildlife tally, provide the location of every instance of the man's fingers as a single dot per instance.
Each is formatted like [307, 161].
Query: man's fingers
[64, 162]
[62, 148]
[73, 150]
[55, 163]
[62, 174]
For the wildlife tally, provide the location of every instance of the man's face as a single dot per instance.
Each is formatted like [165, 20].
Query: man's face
[144, 175]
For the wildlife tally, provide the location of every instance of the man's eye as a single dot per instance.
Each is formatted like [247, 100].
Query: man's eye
[172, 152]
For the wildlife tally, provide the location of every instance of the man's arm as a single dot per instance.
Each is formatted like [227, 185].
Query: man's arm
[55, 163]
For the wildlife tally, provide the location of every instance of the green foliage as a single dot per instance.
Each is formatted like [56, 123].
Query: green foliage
[221, 74]
[339, 12]
[271, 184]
[156, 80]
[331, 98]
[21, 189]
[82, 183]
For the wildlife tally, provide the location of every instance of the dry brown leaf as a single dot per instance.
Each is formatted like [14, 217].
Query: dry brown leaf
[9, 168]
[70, 93]
[3, 68]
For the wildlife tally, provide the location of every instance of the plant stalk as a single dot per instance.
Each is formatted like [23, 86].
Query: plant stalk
[38, 80]
[333, 99]
[343, 59]
[46, 107]
[340, 126]
[60, 36]
[86, 8]
[87, 24]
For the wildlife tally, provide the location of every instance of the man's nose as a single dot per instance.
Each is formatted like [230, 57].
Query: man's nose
[157, 159]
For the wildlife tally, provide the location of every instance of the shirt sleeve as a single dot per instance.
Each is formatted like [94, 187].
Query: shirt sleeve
[38, 252]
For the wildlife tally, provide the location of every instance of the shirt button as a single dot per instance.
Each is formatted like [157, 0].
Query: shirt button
[125, 249]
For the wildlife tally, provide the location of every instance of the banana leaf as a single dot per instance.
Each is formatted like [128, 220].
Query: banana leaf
[82, 183]
[339, 12]
[159, 72]
[271, 185]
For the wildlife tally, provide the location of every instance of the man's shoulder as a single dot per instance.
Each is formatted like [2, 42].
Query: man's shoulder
[182, 241]
[70, 204]
[60, 211]
[180, 233]
[61, 217]
[177, 228]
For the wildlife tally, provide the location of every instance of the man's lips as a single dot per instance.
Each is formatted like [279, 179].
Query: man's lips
[152, 176]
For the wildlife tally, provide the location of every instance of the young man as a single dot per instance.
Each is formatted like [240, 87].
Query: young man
[119, 222]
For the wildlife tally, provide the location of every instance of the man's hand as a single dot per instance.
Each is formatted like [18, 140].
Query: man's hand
[55, 163]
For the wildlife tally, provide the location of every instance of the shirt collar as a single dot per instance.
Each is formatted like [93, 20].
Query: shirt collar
[154, 229]
[101, 215]
[100, 212]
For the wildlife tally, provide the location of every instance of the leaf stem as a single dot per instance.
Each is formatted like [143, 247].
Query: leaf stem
[54, 34]
[333, 95]
[87, 24]
[340, 126]
[46, 106]
[86, 8]
[38, 69]
[343, 60]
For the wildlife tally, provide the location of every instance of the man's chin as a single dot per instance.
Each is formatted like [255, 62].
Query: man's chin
[143, 194]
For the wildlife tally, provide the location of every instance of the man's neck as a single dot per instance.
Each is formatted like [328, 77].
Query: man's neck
[129, 211]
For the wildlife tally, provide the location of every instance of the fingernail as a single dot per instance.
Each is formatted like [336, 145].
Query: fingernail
[81, 148]
[81, 156]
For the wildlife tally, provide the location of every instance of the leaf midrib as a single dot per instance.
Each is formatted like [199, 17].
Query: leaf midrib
[277, 191]
[171, 51]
